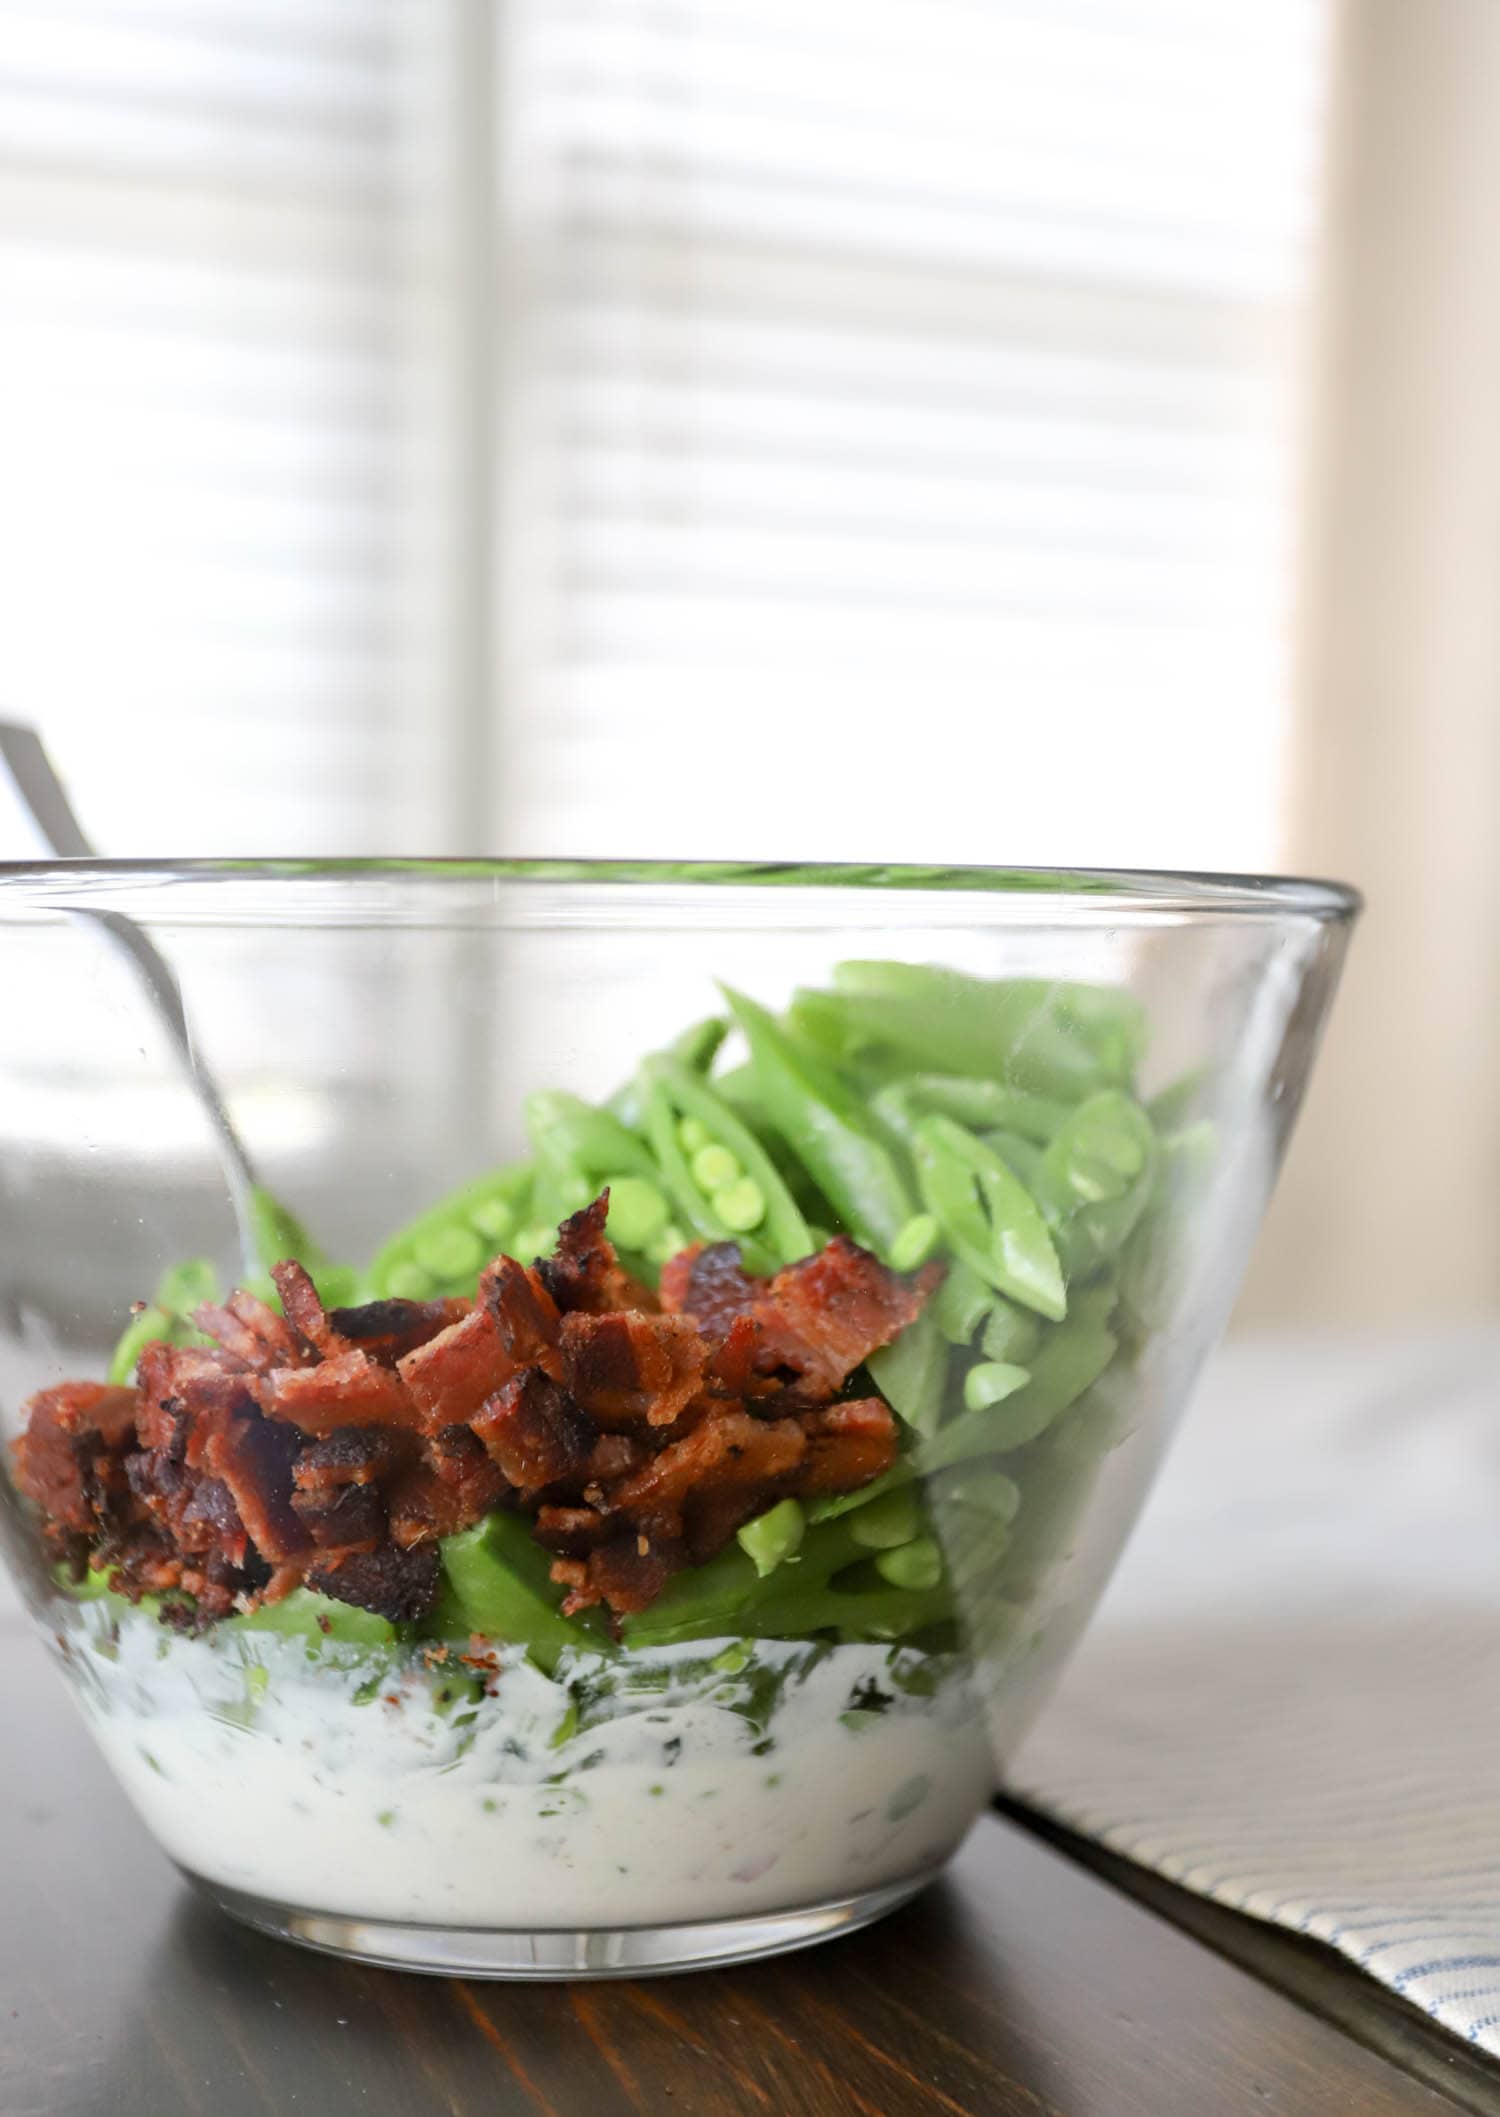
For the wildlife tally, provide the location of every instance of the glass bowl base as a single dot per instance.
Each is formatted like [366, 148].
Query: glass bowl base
[557, 1953]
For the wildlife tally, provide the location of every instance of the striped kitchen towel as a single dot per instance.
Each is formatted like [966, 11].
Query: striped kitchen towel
[1290, 1698]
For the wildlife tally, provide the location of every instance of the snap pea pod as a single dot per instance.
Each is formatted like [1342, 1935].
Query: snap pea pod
[1023, 1157]
[696, 1048]
[910, 1373]
[1095, 1179]
[991, 1428]
[988, 1216]
[1070, 1360]
[984, 1105]
[1152, 1262]
[961, 1303]
[445, 1248]
[572, 1134]
[496, 1582]
[1041, 1036]
[729, 1596]
[827, 1130]
[752, 1205]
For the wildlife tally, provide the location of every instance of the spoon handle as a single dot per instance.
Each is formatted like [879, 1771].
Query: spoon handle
[42, 791]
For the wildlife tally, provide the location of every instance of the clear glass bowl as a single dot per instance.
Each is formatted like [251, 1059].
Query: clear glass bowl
[1048, 1106]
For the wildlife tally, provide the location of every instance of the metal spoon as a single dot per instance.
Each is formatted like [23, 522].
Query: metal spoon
[39, 787]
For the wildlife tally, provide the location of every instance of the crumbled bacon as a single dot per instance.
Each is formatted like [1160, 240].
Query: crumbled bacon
[340, 1447]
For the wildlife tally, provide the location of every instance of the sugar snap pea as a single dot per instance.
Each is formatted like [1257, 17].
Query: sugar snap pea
[1041, 1036]
[827, 1129]
[417, 1262]
[1095, 1178]
[988, 1216]
[673, 1092]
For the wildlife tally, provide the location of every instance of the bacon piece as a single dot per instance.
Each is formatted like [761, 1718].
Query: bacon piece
[342, 1518]
[195, 1511]
[354, 1455]
[525, 1315]
[250, 1331]
[426, 1503]
[848, 1445]
[351, 1389]
[254, 1458]
[388, 1330]
[184, 1391]
[451, 1375]
[628, 1574]
[585, 1272]
[731, 1450]
[303, 1306]
[626, 1368]
[535, 1433]
[70, 1458]
[399, 1585]
[824, 1315]
[710, 1285]
[573, 1531]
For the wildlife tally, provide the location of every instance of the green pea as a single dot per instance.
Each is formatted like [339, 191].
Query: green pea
[450, 1253]
[637, 1211]
[535, 1242]
[493, 1218]
[740, 1205]
[918, 1564]
[982, 1487]
[693, 1134]
[714, 1167]
[915, 1243]
[666, 1243]
[408, 1282]
[893, 1519]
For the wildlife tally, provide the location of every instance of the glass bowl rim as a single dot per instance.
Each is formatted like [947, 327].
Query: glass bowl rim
[72, 885]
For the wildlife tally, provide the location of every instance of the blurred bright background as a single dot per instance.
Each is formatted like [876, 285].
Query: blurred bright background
[1059, 431]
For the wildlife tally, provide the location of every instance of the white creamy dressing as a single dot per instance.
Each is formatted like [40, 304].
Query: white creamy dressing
[637, 1797]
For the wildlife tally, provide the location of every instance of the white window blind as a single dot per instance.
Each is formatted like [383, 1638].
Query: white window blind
[221, 430]
[901, 445]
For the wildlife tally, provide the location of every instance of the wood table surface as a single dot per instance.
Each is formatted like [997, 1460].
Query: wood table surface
[1022, 1983]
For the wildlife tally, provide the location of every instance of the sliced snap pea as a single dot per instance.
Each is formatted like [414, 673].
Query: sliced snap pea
[910, 1373]
[833, 1504]
[991, 1428]
[496, 1583]
[985, 1105]
[1011, 1334]
[988, 1216]
[492, 1207]
[1023, 1157]
[569, 1133]
[696, 1048]
[1096, 1178]
[1071, 1359]
[770, 1539]
[961, 1303]
[1044, 1037]
[827, 1129]
[672, 1093]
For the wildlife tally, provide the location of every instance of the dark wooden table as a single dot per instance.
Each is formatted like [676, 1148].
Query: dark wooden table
[1024, 1983]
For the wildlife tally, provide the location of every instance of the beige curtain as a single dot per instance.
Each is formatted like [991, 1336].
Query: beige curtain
[1390, 1206]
